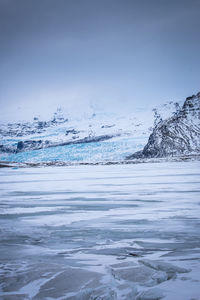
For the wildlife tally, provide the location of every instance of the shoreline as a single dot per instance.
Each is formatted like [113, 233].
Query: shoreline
[183, 158]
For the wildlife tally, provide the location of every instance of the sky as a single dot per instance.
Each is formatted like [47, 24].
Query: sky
[115, 55]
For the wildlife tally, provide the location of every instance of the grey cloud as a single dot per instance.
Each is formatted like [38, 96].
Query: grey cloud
[129, 51]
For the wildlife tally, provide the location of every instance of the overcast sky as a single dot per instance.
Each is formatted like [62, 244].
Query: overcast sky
[118, 54]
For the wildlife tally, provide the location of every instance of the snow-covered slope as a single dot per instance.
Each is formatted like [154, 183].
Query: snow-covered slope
[177, 135]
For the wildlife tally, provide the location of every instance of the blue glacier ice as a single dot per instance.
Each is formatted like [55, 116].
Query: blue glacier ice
[116, 149]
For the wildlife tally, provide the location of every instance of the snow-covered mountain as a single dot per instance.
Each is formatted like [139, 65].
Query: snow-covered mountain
[61, 131]
[95, 136]
[177, 135]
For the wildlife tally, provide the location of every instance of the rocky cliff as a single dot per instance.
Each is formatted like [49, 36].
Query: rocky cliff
[177, 135]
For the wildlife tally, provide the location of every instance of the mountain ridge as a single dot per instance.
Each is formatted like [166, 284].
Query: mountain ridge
[177, 135]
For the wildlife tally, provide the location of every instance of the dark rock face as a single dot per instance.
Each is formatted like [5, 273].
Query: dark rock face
[30, 144]
[72, 131]
[108, 126]
[177, 135]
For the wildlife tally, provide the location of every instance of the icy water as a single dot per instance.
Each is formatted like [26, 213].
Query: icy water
[100, 232]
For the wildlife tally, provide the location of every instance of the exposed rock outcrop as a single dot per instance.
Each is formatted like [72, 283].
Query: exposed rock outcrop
[177, 135]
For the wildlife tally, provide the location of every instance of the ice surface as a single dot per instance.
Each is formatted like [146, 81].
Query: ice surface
[151, 294]
[100, 232]
[114, 149]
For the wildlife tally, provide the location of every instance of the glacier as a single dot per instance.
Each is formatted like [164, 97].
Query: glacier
[115, 149]
[97, 137]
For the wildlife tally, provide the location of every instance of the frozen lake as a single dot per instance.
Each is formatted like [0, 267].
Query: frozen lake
[100, 232]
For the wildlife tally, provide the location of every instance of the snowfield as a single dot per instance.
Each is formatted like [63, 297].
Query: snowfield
[100, 232]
